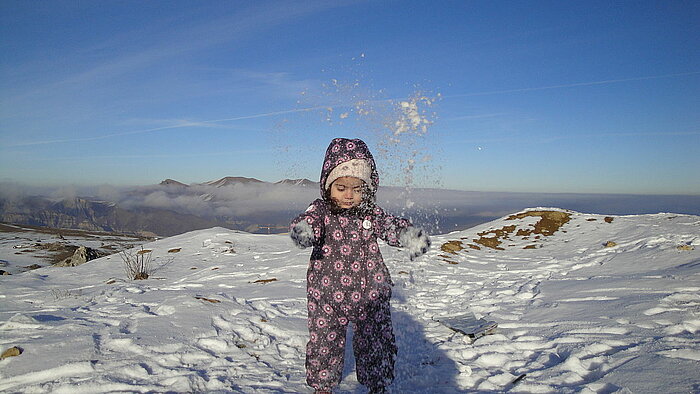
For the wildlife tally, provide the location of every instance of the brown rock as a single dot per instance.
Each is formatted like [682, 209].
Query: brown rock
[212, 300]
[11, 352]
[265, 280]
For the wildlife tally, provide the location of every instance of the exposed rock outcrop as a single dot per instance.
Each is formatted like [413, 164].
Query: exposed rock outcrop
[89, 215]
[14, 351]
[81, 256]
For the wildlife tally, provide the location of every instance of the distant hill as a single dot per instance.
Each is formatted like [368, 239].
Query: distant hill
[166, 209]
[171, 182]
[297, 182]
[240, 203]
[232, 180]
[83, 214]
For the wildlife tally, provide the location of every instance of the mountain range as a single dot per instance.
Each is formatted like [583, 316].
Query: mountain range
[137, 211]
[248, 204]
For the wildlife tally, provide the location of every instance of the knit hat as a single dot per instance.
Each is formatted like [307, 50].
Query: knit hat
[358, 168]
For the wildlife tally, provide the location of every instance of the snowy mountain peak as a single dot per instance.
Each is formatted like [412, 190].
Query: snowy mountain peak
[297, 182]
[171, 182]
[232, 180]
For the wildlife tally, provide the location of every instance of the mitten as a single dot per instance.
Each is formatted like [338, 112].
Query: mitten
[302, 234]
[415, 240]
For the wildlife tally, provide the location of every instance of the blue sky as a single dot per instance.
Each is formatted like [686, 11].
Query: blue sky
[546, 96]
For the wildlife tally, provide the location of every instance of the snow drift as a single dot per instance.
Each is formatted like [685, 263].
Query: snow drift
[225, 311]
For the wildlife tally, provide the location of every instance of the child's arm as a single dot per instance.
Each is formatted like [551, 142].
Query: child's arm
[307, 228]
[400, 232]
[390, 227]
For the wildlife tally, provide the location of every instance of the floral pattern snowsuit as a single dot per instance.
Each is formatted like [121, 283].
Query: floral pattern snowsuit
[348, 282]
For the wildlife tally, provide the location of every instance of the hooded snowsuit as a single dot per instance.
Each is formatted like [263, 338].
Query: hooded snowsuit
[348, 282]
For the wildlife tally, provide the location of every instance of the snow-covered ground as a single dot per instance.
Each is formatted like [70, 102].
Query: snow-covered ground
[24, 246]
[225, 311]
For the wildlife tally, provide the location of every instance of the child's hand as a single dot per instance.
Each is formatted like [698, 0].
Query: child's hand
[302, 234]
[415, 240]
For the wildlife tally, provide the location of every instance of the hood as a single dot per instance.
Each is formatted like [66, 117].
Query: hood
[342, 150]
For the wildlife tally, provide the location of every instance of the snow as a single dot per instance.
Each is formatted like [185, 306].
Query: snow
[227, 313]
[22, 246]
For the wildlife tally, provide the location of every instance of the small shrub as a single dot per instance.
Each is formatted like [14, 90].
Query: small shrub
[137, 265]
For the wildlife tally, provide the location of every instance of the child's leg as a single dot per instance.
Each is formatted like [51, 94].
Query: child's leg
[326, 347]
[374, 346]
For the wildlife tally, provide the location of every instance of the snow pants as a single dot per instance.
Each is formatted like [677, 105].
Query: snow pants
[373, 344]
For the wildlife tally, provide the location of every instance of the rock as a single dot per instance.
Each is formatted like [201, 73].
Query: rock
[263, 281]
[212, 300]
[81, 256]
[33, 266]
[11, 352]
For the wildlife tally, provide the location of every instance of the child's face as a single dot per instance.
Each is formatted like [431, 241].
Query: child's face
[347, 191]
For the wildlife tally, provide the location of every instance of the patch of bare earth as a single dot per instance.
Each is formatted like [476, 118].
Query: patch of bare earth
[550, 222]
[452, 247]
[56, 248]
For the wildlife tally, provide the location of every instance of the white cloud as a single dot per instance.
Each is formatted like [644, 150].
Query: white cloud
[436, 209]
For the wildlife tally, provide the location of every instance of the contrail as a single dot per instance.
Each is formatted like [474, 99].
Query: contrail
[177, 126]
[265, 115]
[291, 111]
[99, 137]
[572, 85]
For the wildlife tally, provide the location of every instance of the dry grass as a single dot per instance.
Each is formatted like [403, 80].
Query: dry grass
[489, 242]
[452, 247]
[14, 351]
[550, 222]
[137, 265]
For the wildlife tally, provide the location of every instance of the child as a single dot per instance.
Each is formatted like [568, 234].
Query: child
[347, 280]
